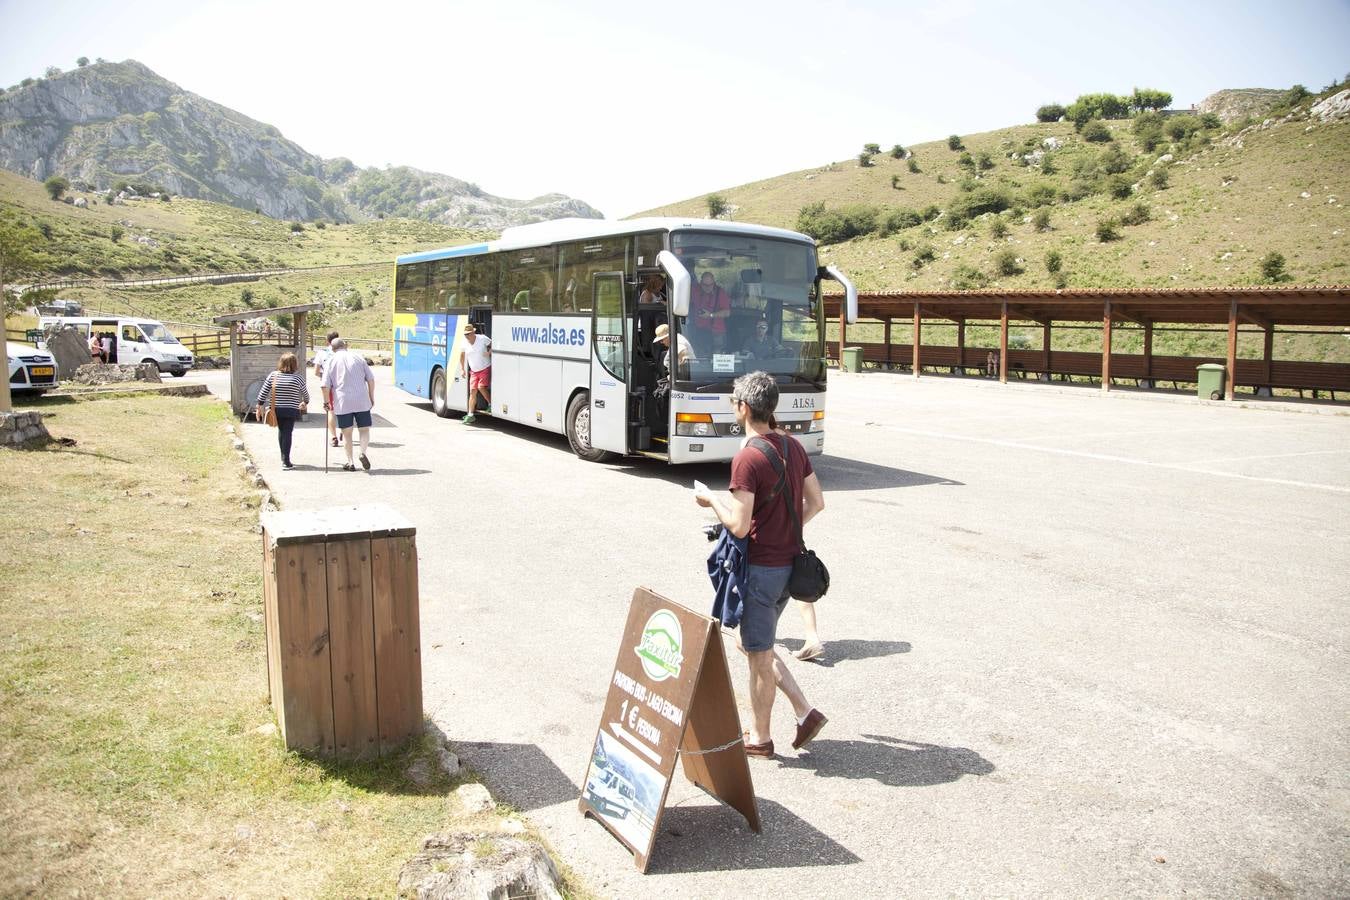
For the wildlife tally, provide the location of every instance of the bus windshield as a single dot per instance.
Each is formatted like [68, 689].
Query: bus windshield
[753, 306]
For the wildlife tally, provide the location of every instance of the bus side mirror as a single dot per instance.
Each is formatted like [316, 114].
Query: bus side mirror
[677, 277]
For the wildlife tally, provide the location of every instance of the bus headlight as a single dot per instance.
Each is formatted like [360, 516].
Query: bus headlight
[694, 425]
[817, 421]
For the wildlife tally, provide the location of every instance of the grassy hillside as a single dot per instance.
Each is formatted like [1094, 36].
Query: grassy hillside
[1227, 204]
[146, 238]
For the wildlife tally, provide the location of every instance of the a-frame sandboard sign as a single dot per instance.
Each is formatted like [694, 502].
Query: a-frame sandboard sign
[670, 695]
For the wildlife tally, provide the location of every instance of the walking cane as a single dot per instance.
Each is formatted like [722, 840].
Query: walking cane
[324, 432]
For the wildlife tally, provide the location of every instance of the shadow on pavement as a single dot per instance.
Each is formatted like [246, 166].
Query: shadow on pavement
[849, 650]
[716, 839]
[838, 473]
[519, 774]
[891, 761]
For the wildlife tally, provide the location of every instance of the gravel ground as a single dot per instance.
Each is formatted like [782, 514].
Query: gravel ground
[1076, 644]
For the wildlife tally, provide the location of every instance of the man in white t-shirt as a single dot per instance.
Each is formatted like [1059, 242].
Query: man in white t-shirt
[476, 365]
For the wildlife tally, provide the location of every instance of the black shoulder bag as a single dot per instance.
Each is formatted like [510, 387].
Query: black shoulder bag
[810, 580]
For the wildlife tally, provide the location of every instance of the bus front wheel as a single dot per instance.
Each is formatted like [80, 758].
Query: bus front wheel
[579, 429]
[440, 403]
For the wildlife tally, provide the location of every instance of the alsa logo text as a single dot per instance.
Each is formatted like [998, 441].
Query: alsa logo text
[803, 402]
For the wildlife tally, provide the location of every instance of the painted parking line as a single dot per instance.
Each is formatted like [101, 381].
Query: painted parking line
[1110, 457]
[1226, 459]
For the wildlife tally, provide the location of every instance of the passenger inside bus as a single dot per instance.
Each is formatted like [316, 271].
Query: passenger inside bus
[653, 289]
[761, 345]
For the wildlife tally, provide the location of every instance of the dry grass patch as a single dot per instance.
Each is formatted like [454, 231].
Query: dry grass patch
[133, 679]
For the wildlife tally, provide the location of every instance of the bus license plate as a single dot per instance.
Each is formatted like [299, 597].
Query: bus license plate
[43, 370]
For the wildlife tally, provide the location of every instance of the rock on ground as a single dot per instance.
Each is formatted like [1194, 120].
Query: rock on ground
[475, 797]
[98, 373]
[479, 866]
[1333, 108]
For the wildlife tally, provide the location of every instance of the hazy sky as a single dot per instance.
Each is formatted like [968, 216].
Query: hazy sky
[629, 105]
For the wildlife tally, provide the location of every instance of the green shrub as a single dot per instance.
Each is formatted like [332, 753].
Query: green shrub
[82, 61]
[833, 226]
[968, 184]
[930, 212]
[895, 183]
[1050, 112]
[1076, 190]
[984, 161]
[320, 225]
[1006, 264]
[357, 303]
[1272, 267]
[865, 160]
[297, 227]
[966, 161]
[1119, 187]
[941, 179]
[954, 223]
[1061, 280]
[1113, 160]
[925, 254]
[1096, 132]
[1040, 220]
[1159, 179]
[26, 82]
[897, 152]
[967, 278]
[980, 201]
[913, 165]
[1108, 230]
[1041, 194]
[1211, 121]
[1048, 166]
[899, 220]
[1178, 128]
[246, 297]
[871, 149]
[56, 186]
[115, 232]
[998, 229]
[1054, 261]
[1296, 94]
[954, 143]
[45, 228]
[717, 205]
[1136, 215]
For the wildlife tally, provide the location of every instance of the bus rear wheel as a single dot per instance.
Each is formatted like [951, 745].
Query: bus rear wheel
[440, 403]
[579, 429]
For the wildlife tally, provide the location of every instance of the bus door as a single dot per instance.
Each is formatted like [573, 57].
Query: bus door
[481, 318]
[609, 363]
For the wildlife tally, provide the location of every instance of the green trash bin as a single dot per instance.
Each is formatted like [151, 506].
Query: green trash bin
[1209, 381]
[853, 359]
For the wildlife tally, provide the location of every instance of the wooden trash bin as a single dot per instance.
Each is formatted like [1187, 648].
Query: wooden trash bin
[344, 664]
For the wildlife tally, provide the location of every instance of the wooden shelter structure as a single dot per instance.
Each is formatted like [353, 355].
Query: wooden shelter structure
[1259, 309]
[254, 354]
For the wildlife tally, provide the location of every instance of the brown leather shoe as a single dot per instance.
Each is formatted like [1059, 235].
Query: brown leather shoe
[807, 731]
[759, 751]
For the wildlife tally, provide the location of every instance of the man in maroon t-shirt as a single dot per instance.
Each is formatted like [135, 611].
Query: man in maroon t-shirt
[709, 308]
[757, 510]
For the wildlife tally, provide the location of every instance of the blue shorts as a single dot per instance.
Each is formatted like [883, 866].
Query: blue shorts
[766, 596]
[362, 419]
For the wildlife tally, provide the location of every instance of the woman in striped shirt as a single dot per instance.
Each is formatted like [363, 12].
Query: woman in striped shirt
[286, 387]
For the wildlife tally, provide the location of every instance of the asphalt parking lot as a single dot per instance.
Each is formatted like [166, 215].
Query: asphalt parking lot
[1076, 644]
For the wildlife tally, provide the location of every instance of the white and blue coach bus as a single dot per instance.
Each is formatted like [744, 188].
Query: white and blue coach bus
[574, 347]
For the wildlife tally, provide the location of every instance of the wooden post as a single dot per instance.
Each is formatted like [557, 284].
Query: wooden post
[1268, 353]
[961, 345]
[1003, 344]
[1045, 347]
[1106, 346]
[1232, 350]
[1148, 351]
[843, 328]
[918, 331]
[887, 332]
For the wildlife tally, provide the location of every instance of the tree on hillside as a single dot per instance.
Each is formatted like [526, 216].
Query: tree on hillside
[26, 82]
[52, 71]
[1050, 112]
[1272, 267]
[954, 143]
[56, 186]
[897, 152]
[18, 257]
[717, 206]
[82, 61]
[873, 149]
[1149, 98]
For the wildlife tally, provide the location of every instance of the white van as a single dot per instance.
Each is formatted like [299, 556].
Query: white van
[134, 340]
